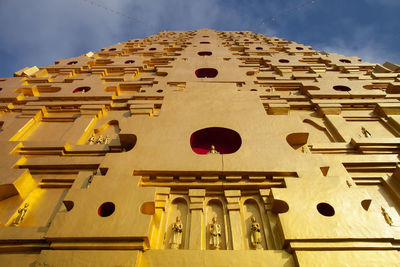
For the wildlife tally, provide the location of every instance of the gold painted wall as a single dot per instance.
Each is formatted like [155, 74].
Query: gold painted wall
[201, 148]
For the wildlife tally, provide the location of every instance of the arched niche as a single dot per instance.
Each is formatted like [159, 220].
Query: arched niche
[178, 207]
[215, 209]
[250, 209]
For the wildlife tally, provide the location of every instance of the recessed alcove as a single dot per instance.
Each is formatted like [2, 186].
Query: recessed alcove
[147, 208]
[204, 42]
[130, 61]
[112, 49]
[152, 49]
[225, 141]
[72, 62]
[299, 48]
[259, 48]
[82, 89]
[344, 60]
[206, 73]
[106, 209]
[283, 61]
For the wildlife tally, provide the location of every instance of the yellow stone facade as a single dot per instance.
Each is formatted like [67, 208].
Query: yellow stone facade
[201, 148]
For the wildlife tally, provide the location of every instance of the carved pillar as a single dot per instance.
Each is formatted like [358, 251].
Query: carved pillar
[162, 195]
[196, 207]
[232, 200]
[271, 229]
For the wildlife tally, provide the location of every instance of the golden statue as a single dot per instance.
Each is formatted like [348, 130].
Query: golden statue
[92, 140]
[365, 132]
[215, 234]
[177, 229]
[213, 150]
[255, 236]
[387, 217]
[101, 140]
[21, 215]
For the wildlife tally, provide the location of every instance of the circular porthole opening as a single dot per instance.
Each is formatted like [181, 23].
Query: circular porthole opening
[299, 48]
[225, 141]
[253, 90]
[152, 49]
[82, 89]
[344, 60]
[106, 209]
[204, 53]
[130, 61]
[72, 62]
[283, 61]
[160, 91]
[259, 48]
[341, 88]
[325, 209]
[112, 49]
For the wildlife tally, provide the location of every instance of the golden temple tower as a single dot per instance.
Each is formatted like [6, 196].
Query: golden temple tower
[201, 148]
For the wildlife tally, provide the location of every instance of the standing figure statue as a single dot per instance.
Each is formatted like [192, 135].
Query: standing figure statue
[387, 217]
[177, 229]
[215, 234]
[365, 132]
[92, 140]
[213, 150]
[255, 237]
[21, 215]
[101, 139]
[107, 140]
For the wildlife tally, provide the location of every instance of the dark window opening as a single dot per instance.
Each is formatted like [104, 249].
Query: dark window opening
[225, 141]
[325, 209]
[106, 209]
[341, 88]
[83, 89]
[204, 53]
[206, 73]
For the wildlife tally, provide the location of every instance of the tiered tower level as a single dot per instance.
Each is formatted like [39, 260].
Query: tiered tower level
[101, 153]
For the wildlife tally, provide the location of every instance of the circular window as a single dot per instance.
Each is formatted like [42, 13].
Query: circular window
[325, 209]
[254, 90]
[299, 48]
[344, 60]
[159, 91]
[283, 61]
[82, 89]
[206, 73]
[259, 48]
[72, 62]
[341, 88]
[225, 141]
[204, 53]
[130, 61]
[152, 49]
[106, 209]
[112, 49]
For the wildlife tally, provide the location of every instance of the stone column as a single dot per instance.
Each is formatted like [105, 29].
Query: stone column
[233, 199]
[196, 207]
[162, 196]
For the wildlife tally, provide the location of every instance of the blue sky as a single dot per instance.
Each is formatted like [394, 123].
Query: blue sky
[40, 32]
